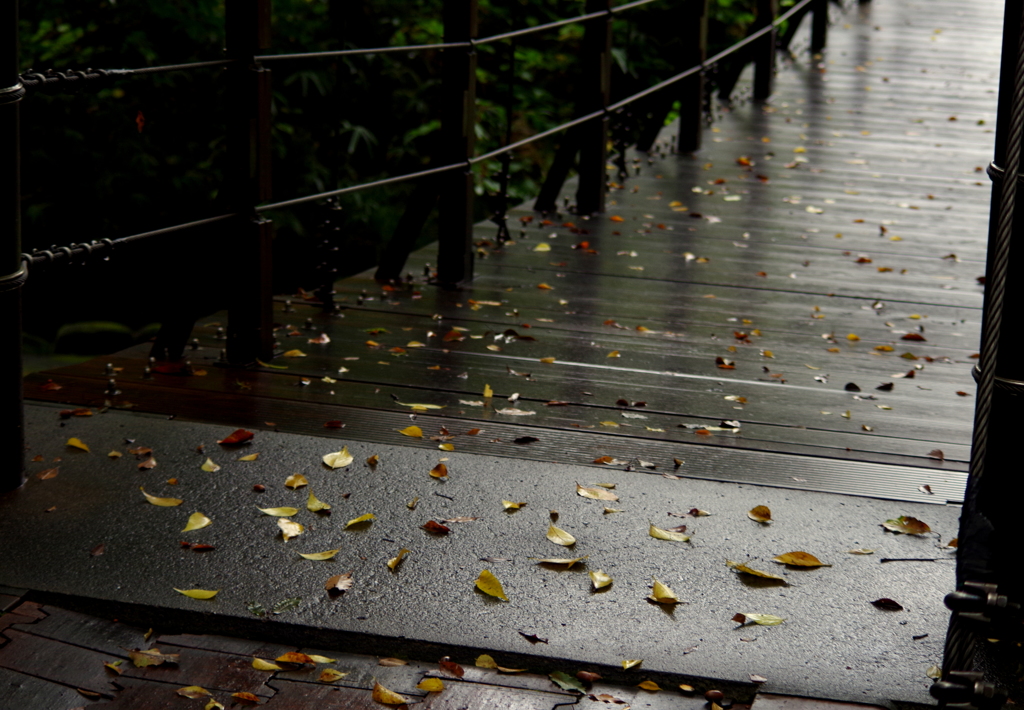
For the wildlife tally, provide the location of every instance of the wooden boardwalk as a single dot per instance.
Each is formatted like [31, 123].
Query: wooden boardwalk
[797, 305]
[809, 278]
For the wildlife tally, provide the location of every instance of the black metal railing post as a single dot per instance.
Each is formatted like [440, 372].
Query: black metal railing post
[990, 514]
[250, 322]
[819, 25]
[596, 82]
[764, 52]
[458, 127]
[12, 271]
[694, 33]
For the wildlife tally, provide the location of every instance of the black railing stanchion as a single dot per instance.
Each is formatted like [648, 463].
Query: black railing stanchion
[12, 271]
[458, 127]
[694, 32]
[819, 25]
[596, 80]
[250, 322]
[764, 52]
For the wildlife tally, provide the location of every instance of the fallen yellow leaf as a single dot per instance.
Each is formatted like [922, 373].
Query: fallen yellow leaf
[662, 594]
[388, 697]
[77, 443]
[296, 480]
[489, 584]
[488, 392]
[317, 556]
[213, 705]
[600, 579]
[756, 573]
[196, 521]
[431, 685]
[649, 685]
[446, 447]
[626, 665]
[800, 559]
[485, 661]
[413, 431]
[340, 459]
[193, 692]
[547, 360]
[198, 593]
[321, 659]
[360, 519]
[662, 534]
[568, 562]
[509, 505]
[543, 246]
[560, 537]
[209, 466]
[329, 675]
[394, 561]
[907, 525]
[761, 619]
[261, 664]
[290, 529]
[595, 493]
[294, 353]
[162, 502]
[283, 512]
[439, 471]
[314, 504]
[250, 457]
[614, 353]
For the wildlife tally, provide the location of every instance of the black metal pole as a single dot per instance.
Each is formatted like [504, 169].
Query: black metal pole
[694, 31]
[12, 272]
[250, 321]
[458, 127]
[596, 79]
[764, 52]
[819, 25]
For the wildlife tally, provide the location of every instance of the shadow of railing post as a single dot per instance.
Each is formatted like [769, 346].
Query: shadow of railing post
[597, 78]
[12, 271]
[458, 137]
[247, 182]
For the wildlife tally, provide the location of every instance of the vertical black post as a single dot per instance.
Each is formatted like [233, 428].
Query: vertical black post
[458, 133]
[989, 519]
[597, 73]
[12, 273]
[250, 322]
[819, 25]
[764, 51]
[694, 34]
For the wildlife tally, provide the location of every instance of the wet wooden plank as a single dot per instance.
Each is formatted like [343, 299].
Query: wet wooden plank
[302, 696]
[25, 691]
[91, 632]
[458, 695]
[225, 644]
[59, 662]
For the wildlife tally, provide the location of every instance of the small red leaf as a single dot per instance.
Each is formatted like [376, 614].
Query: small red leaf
[238, 436]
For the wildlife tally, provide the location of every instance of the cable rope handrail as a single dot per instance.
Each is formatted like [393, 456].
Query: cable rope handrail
[40, 258]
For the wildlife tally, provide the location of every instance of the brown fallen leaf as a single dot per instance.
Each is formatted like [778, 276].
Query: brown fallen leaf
[432, 526]
[339, 583]
[238, 436]
[392, 662]
[595, 493]
[800, 559]
[887, 604]
[761, 514]
[754, 572]
[451, 667]
[245, 698]
[152, 657]
[907, 525]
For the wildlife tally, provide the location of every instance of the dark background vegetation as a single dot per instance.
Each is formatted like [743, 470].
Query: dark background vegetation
[119, 156]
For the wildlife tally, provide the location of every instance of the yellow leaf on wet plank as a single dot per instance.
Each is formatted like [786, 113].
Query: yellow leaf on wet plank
[340, 459]
[296, 480]
[488, 392]
[662, 594]
[548, 360]
[509, 505]
[261, 664]
[853, 337]
[388, 697]
[599, 579]
[760, 513]
[198, 593]
[394, 561]
[446, 447]
[800, 559]
[568, 562]
[614, 353]
[545, 287]
[412, 431]
[754, 572]
[595, 493]
[283, 512]
[317, 556]
[662, 534]
[193, 692]
[649, 685]
[76, 443]
[196, 521]
[321, 659]
[485, 661]
[431, 685]
[489, 584]
[213, 705]
[633, 663]
[294, 353]
[361, 519]
[162, 502]
[420, 407]
[330, 675]
[209, 466]
[290, 529]
[543, 246]
[560, 537]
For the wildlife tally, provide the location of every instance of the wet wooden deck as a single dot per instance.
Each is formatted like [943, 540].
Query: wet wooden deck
[806, 285]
